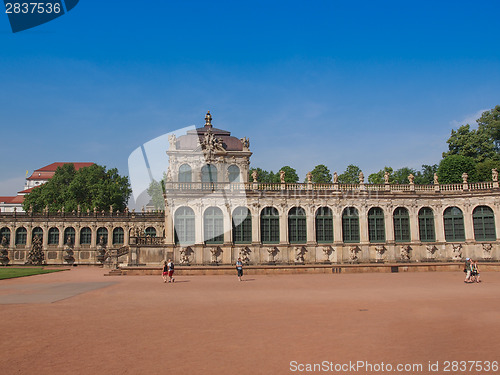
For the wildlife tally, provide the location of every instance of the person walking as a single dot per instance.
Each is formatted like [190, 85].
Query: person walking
[170, 267]
[239, 268]
[164, 271]
[467, 270]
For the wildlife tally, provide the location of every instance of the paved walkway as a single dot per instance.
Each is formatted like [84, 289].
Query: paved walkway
[81, 322]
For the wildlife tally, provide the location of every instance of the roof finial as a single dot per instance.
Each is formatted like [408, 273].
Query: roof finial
[208, 119]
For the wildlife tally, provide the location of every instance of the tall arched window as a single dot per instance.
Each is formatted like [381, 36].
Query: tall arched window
[118, 236]
[5, 232]
[297, 230]
[453, 224]
[242, 225]
[184, 226]
[53, 236]
[426, 225]
[484, 224]
[269, 225]
[150, 232]
[324, 225]
[401, 225]
[21, 236]
[376, 225]
[185, 173]
[213, 225]
[233, 173]
[85, 236]
[350, 225]
[209, 173]
[37, 232]
[69, 233]
[102, 235]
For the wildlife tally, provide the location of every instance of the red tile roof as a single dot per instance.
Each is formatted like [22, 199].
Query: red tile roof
[48, 171]
[16, 199]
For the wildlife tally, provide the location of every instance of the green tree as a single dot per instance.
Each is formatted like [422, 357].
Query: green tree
[401, 175]
[378, 177]
[156, 190]
[262, 176]
[477, 144]
[88, 187]
[350, 175]
[320, 175]
[452, 167]
[426, 175]
[290, 175]
[483, 169]
[489, 122]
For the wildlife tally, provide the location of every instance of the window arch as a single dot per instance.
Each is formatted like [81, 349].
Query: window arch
[297, 230]
[453, 224]
[150, 232]
[233, 173]
[53, 236]
[242, 225]
[21, 236]
[102, 232]
[85, 236]
[324, 225]
[269, 225]
[209, 173]
[484, 224]
[350, 225]
[401, 220]
[118, 236]
[376, 225]
[69, 233]
[5, 232]
[37, 231]
[184, 225]
[426, 225]
[185, 173]
[213, 225]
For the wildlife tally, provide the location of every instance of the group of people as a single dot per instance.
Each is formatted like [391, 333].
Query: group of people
[168, 270]
[471, 271]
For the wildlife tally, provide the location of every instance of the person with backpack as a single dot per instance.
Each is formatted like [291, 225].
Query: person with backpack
[467, 270]
[239, 268]
[164, 272]
[170, 266]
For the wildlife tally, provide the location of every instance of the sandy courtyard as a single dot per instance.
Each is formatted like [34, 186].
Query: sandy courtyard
[81, 322]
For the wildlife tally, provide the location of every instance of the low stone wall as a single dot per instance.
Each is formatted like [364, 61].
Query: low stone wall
[312, 269]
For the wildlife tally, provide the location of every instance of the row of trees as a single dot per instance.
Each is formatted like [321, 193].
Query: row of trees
[475, 152]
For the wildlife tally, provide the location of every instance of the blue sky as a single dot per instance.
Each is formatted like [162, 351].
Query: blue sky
[371, 83]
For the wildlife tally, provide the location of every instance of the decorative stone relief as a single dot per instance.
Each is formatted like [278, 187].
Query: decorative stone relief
[457, 252]
[327, 250]
[216, 252]
[185, 253]
[353, 253]
[272, 252]
[404, 252]
[244, 253]
[380, 250]
[431, 251]
[299, 254]
[487, 247]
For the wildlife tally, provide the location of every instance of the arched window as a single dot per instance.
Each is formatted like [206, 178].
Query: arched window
[401, 225]
[269, 225]
[85, 236]
[426, 225]
[37, 232]
[484, 224]
[209, 173]
[5, 232]
[297, 230]
[376, 226]
[242, 225]
[69, 233]
[184, 226]
[150, 232]
[21, 236]
[118, 236]
[185, 174]
[350, 225]
[102, 235]
[233, 173]
[453, 224]
[324, 225]
[53, 236]
[213, 225]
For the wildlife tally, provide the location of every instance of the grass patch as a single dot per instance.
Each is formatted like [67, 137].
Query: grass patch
[10, 273]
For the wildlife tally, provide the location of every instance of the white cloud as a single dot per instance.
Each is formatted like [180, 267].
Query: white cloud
[469, 119]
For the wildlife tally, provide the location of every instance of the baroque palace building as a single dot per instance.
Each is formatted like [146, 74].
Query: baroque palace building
[214, 213]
